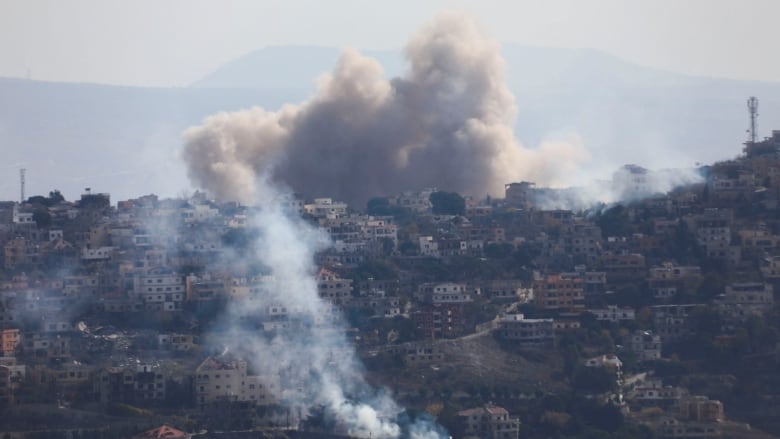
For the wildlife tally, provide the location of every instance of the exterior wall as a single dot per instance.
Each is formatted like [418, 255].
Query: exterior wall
[132, 384]
[671, 321]
[226, 379]
[556, 292]
[613, 313]
[646, 345]
[333, 288]
[11, 339]
[160, 290]
[489, 422]
[526, 332]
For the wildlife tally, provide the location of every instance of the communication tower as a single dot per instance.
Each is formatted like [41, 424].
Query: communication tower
[22, 171]
[752, 104]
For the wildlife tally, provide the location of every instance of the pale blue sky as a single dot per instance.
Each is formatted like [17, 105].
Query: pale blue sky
[173, 43]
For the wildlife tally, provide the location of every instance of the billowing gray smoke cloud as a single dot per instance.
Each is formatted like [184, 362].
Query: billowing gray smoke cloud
[446, 123]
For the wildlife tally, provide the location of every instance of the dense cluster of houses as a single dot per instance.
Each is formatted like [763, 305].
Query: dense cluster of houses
[68, 268]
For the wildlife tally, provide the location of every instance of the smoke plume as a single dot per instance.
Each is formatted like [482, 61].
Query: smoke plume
[313, 352]
[446, 123]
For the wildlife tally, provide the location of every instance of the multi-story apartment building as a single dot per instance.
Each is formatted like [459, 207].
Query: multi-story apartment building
[226, 378]
[668, 279]
[129, 384]
[743, 300]
[526, 332]
[443, 292]
[489, 422]
[160, 289]
[646, 345]
[672, 322]
[334, 288]
[557, 292]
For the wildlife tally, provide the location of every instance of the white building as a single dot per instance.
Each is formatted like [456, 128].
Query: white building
[160, 289]
[428, 247]
[489, 422]
[325, 208]
[526, 332]
[225, 378]
[613, 313]
[97, 254]
[444, 292]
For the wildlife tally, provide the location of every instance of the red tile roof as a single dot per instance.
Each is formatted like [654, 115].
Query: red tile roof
[163, 431]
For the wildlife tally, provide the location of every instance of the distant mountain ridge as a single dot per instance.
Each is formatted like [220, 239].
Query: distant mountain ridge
[124, 140]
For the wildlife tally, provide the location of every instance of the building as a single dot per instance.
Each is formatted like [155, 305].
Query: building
[136, 384]
[325, 208]
[623, 266]
[672, 322]
[613, 313]
[743, 300]
[440, 320]
[646, 345]
[770, 268]
[333, 288]
[417, 201]
[416, 354]
[607, 360]
[556, 292]
[519, 195]
[700, 408]
[631, 182]
[668, 279]
[504, 290]
[444, 292]
[226, 378]
[526, 332]
[10, 340]
[176, 342]
[160, 289]
[489, 422]
[713, 234]
[46, 346]
[656, 395]
[379, 304]
[7, 390]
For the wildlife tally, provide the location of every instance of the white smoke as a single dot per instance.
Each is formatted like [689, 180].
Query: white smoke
[625, 187]
[446, 123]
[315, 352]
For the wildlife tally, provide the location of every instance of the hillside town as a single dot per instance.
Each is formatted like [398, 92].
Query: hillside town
[501, 318]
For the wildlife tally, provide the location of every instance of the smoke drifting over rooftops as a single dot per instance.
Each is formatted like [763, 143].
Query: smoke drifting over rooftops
[446, 123]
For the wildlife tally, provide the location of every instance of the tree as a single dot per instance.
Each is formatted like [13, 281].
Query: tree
[378, 206]
[614, 221]
[498, 250]
[55, 197]
[593, 379]
[42, 217]
[448, 203]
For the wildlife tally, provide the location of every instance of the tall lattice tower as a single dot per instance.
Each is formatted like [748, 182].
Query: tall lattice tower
[21, 183]
[752, 104]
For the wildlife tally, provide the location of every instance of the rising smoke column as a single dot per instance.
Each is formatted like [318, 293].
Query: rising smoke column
[446, 123]
[314, 351]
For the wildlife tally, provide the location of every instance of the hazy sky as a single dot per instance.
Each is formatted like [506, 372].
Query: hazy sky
[173, 43]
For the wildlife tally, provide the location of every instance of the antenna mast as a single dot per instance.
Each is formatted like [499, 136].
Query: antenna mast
[22, 171]
[752, 104]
